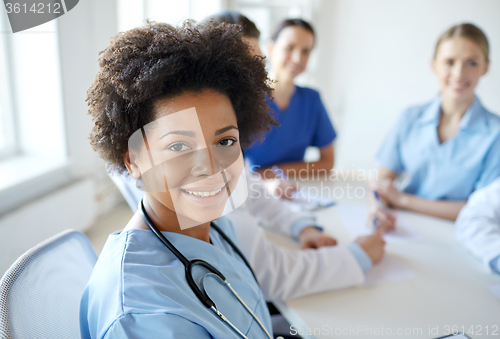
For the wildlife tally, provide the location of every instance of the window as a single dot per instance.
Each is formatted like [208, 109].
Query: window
[8, 145]
[133, 13]
[33, 156]
[266, 14]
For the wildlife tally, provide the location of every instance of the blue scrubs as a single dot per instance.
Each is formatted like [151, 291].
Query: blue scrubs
[451, 170]
[138, 289]
[304, 123]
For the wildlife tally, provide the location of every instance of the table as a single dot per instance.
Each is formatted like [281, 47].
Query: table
[450, 290]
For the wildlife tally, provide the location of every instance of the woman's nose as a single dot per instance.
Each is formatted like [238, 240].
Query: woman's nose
[296, 57]
[202, 163]
[458, 70]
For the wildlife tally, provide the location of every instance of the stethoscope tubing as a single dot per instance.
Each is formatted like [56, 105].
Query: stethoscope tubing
[189, 264]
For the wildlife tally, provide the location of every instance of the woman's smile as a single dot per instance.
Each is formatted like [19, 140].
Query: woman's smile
[206, 196]
[205, 188]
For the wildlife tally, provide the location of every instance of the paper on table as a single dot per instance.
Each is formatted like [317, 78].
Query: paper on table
[354, 219]
[388, 269]
[304, 201]
[495, 289]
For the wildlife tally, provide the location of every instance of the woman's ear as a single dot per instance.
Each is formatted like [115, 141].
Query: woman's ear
[130, 161]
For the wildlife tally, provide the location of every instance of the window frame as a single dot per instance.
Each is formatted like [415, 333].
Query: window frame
[9, 125]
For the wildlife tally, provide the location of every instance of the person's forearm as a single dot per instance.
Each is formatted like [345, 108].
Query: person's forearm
[298, 169]
[436, 208]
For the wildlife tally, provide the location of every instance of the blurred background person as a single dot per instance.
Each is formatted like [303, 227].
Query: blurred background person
[302, 116]
[449, 147]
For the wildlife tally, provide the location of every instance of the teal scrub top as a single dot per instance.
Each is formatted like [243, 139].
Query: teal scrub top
[138, 289]
[451, 170]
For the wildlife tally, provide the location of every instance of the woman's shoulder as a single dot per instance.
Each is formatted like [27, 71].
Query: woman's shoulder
[492, 120]
[306, 91]
[101, 300]
[419, 112]
[308, 97]
[109, 267]
[123, 253]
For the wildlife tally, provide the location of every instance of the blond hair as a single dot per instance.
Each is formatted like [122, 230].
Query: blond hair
[468, 31]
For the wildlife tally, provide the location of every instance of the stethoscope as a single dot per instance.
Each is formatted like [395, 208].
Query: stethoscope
[189, 264]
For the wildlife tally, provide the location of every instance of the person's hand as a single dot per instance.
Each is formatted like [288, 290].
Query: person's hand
[311, 237]
[380, 217]
[373, 245]
[390, 196]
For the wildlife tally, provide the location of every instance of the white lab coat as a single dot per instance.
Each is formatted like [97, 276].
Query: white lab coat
[269, 211]
[286, 273]
[478, 225]
[282, 273]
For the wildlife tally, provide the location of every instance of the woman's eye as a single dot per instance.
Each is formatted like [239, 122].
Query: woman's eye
[227, 142]
[472, 63]
[449, 62]
[179, 147]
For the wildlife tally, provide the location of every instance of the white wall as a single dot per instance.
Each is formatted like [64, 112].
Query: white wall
[373, 62]
[70, 207]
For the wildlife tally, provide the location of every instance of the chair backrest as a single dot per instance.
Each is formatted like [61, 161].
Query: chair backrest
[127, 187]
[40, 293]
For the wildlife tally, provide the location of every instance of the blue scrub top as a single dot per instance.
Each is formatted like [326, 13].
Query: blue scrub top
[138, 289]
[451, 170]
[304, 123]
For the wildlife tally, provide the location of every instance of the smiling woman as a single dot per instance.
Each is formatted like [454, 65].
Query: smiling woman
[302, 116]
[449, 147]
[172, 106]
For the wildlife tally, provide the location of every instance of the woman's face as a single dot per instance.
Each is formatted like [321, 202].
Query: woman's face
[458, 65]
[290, 52]
[190, 160]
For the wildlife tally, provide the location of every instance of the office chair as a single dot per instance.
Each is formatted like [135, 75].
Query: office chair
[40, 293]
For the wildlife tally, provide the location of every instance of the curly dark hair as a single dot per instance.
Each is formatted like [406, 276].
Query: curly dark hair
[158, 61]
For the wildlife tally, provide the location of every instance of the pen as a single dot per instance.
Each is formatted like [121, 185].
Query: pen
[379, 201]
[381, 205]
